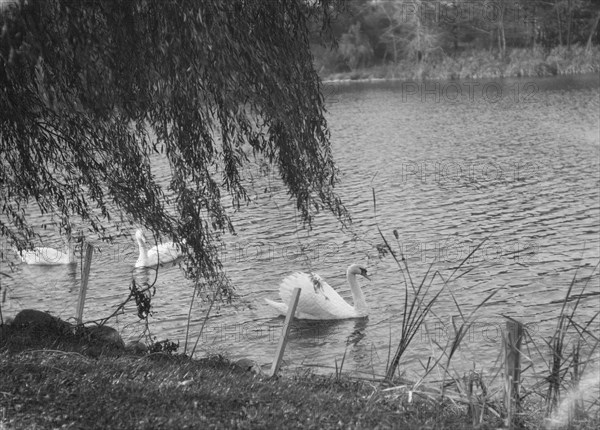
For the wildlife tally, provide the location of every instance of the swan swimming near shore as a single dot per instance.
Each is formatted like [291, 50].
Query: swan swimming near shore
[45, 256]
[318, 300]
[157, 255]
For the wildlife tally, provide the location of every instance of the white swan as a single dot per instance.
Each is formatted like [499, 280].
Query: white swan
[318, 301]
[157, 255]
[44, 256]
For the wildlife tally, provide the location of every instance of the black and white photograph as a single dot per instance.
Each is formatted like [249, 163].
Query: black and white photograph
[312, 214]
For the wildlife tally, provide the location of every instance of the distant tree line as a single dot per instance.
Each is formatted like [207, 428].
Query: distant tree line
[372, 32]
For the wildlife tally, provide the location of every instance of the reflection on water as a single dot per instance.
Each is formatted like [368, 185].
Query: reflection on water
[518, 167]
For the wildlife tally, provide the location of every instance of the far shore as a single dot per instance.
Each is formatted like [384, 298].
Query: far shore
[478, 65]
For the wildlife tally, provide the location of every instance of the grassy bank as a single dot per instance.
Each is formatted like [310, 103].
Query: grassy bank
[53, 389]
[479, 65]
[56, 375]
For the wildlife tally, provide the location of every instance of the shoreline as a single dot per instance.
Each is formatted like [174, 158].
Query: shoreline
[519, 63]
[382, 80]
[56, 389]
[58, 376]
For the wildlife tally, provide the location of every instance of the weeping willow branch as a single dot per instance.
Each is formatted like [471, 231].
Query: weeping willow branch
[92, 91]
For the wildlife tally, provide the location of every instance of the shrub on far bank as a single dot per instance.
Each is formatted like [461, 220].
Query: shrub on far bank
[518, 62]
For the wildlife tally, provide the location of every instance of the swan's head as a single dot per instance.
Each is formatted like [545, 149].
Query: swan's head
[139, 235]
[356, 269]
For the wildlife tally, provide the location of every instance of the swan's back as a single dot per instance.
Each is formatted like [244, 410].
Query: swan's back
[160, 254]
[43, 256]
[318, 300]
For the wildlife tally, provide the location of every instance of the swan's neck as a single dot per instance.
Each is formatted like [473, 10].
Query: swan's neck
[142, 247]
[360, 305]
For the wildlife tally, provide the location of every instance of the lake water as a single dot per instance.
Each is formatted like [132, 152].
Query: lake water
[514, 161]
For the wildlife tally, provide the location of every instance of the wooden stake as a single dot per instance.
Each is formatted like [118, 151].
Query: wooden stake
[512, 363]
[285, 332]
[89, 250]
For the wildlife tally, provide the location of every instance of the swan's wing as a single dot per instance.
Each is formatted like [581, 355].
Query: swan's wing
[170, 249]
[166, 253]
[29, 257]
[317, 298]
[50, 255]
[44, 256]
[281, 307]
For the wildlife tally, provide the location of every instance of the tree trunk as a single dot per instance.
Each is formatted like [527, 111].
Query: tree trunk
[533, 22]
[455, 37]
[501, 35]
[588, 45]
[503, 41]
[558, 21]
[498, 41]
[569, 24]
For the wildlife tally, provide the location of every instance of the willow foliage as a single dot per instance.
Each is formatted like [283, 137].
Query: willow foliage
[91, 90]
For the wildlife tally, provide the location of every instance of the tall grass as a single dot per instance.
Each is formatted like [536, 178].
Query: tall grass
[470, 390]
[568, 358]
[566, 390]
[418, 306]
[573, 350]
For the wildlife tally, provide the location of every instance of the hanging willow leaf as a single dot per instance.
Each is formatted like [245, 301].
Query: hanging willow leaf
[89, 91]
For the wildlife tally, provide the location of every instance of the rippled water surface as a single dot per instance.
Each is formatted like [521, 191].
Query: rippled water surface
[451, 164]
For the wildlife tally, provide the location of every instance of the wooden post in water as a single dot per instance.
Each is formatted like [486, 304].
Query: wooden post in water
[512, 369]
[285, 332]
[89, 250]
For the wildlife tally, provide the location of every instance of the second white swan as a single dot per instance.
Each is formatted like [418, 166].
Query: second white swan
[318, 300]
[157, 255]
[44, 256]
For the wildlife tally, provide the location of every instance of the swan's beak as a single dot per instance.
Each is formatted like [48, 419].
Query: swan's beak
[363, 272]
